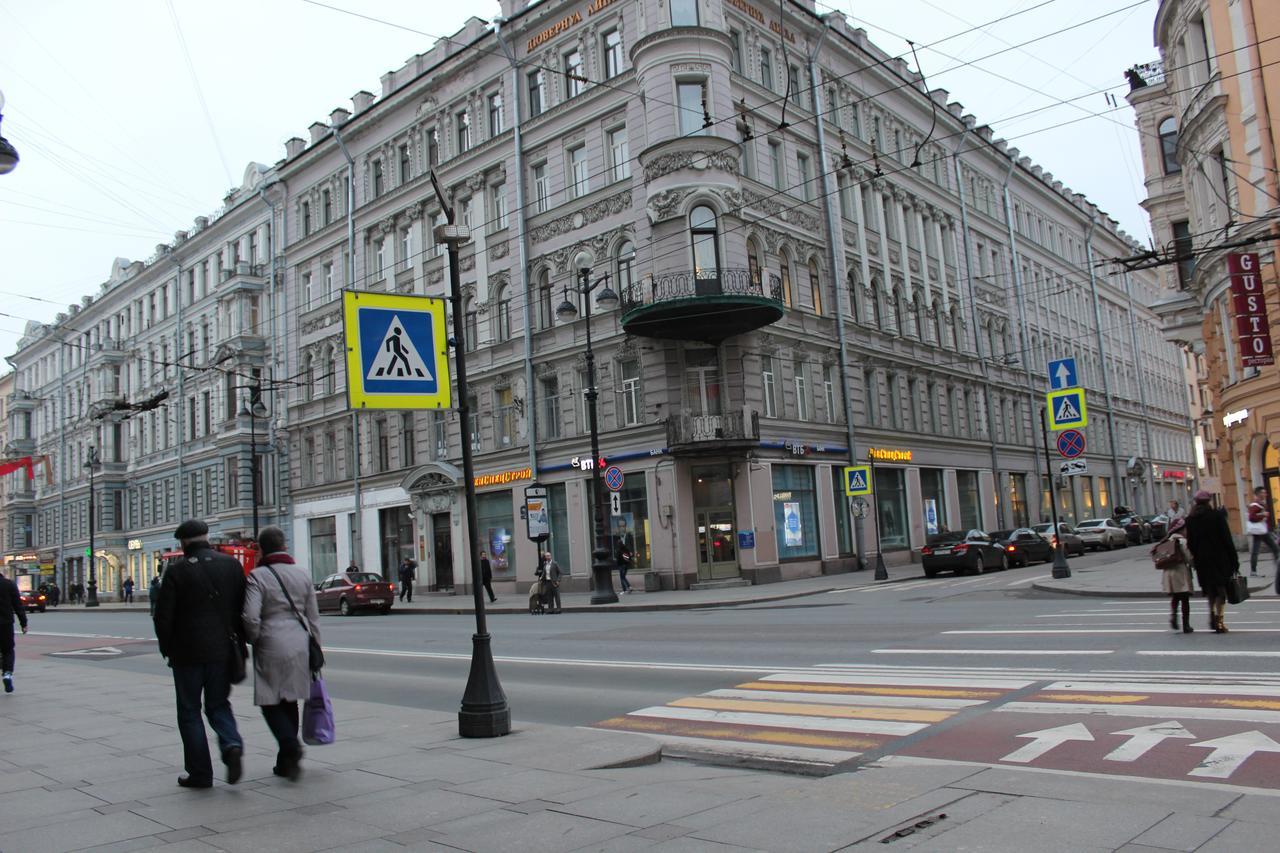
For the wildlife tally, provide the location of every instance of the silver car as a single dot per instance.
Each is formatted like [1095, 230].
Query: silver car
[1102, 533]
[1071, 542]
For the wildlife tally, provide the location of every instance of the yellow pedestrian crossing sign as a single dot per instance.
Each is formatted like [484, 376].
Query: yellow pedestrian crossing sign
[1067, 409]
[857, 480]
[397, 351]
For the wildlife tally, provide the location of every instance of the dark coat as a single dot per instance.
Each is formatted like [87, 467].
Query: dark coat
[191, 622]
[486, 570]
[11, 604]
[1212, 548]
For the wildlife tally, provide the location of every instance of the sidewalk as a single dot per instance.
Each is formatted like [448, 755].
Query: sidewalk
[1134, 576]
[89, 763]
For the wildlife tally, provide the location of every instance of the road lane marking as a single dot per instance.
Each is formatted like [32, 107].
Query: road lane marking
[790, 721]
[1197, 653]
[86, 636]
[1161, 686]
[855, 689]
[1230, 752]
[1064, 631]
[842, 698]
[991, 652]
[1143, 739]
[812, 709]
[1194, 712]
[906, 681]
[1045, 740]
[1029, 580]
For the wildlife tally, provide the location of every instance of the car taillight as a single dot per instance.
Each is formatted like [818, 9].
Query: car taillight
[960, 549]
[357, 587]
[926, 550]
[1010, 548]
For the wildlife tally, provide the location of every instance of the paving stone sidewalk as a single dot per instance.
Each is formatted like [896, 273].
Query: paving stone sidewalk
[1135, 576]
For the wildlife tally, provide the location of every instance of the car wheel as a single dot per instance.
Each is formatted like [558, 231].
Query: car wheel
[978, 565]
[1004, 562]
[344, 608]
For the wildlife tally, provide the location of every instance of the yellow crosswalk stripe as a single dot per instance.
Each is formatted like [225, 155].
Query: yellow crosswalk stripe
[906, 715]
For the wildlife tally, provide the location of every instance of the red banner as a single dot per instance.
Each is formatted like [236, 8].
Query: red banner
[1253, 332]
[8, 466]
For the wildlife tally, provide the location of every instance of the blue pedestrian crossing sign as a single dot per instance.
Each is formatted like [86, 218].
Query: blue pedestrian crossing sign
[397, 351]
[857, 480]
[1067, 409]
[1062, 374]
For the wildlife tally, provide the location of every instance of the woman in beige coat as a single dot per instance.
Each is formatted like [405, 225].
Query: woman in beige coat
[281, 655]
[1175, 580]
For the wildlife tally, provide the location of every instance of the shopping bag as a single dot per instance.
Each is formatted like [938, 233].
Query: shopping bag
[1237, 589]
[317, 716]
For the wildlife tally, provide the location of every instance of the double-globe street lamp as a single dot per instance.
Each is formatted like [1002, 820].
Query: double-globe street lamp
[92, 464]
[607, 300]
[8, 154]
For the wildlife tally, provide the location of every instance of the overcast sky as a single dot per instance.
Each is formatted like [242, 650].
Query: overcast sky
[132, 117]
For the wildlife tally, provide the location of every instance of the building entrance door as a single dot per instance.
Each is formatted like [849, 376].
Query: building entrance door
[442, 551]
[713, 519]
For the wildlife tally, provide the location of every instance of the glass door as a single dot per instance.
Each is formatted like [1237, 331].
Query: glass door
[713, 517]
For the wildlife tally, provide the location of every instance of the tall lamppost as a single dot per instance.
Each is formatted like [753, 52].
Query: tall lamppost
[8, 154]
[601, 571]
[92, 464]
[253, 409]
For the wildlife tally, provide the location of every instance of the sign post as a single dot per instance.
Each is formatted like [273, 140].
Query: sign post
[882, 573]
[1060, 567]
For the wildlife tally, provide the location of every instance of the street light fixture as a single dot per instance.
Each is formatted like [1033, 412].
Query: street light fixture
[253, 411]
[8, 154]
[92, 464]
[601, 571]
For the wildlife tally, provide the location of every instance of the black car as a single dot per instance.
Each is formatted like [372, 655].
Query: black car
[33, 600]
[1024, 545]
[1135, 528]
[963, 553]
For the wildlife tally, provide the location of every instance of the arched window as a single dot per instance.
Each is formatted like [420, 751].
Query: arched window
[330, 371]
[308, 377]
[545, 317]
[937, 324]
[503, 301]
[877, 307]
[815, 287]
[1168, 134]
[626, 264]
[706, 249]
[785, 267]
[957, 328]
[855, 294]
[753, 264]
[470, 325]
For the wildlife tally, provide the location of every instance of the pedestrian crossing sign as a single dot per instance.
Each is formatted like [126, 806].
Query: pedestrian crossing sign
[857, 480]
[1067, 409]
[397, 351]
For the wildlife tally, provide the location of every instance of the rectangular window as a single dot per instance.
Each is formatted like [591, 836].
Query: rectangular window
[629, 372]
[549, 408]
[1183, 246]
[612, 54]
[871, 397]
[379, 257]
[766, 68]
[574, 81]
[406, 169]
[691, 98]
[684, 13]
[794, 85]
[891, 506]
[306, 290]
[462, 125]
[377, 178]
[844, 536]
[795, 511]
[433, 148]
[306, 218]
[775, 160]
[747, 163]
[326, 277]
[801, 383]
[408, 441]
[541, 188]
[933, 497]
[326, 207]
[495, 114]
[806, 189]
[506, 417]
[579, 180]
[537, 93]
[381, 445]
[735, 50]
[769, 385]
[619, 157]
[499, 195]
[829, 393]
[970, 500]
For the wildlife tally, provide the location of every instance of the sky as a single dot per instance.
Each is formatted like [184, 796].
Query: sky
[132, 117]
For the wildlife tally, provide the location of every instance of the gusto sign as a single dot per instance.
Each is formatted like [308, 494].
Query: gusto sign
[1249, 306]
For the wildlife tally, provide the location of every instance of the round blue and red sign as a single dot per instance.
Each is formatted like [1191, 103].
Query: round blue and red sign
[613, 478]
[1071, 443]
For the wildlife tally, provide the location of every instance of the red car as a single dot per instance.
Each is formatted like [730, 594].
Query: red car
[347, 593]
[33, 600]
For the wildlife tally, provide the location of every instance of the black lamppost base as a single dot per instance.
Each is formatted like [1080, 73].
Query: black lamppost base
[1060, 567]
[485, 712]
[602, 584]
[882, 573]
[91, 594]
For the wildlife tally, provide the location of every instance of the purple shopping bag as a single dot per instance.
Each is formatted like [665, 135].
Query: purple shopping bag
[317, 716]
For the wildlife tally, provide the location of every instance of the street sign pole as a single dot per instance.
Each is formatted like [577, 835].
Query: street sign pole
[882, 573]
[1060, 567]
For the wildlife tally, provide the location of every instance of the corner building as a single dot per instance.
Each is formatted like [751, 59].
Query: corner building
[785, 296]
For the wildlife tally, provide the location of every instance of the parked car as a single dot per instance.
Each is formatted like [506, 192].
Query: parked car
[33, 600]
[963, 553]
[1102, 533]
[1135, 528]
[1071, 541]
[1159, 526]
[1023, 545]
[347, 593]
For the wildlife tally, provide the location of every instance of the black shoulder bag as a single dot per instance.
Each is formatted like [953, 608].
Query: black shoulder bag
[315, 654]
[238, 652]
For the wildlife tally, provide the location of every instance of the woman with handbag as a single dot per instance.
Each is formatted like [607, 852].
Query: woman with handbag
[1173, 559]
[1213, 553]
[1257, 524]
[281, 620]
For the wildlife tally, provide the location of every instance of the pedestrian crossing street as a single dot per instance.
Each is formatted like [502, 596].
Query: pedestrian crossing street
[1184, 725]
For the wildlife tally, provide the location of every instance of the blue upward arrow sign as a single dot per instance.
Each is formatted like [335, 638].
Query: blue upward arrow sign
[1062, 374]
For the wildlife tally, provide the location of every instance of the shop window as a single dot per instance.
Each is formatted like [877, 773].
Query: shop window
[558, 544]
[970, 500]
[795, 512]
[634, 519]
[1018, 499]
[395, 527]
[494, 517]
[891, 505]
[933, 500]
[324, 546]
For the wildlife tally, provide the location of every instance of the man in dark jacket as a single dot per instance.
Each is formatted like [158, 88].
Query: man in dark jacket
[200, 603]
[10, 608]
[408, 574]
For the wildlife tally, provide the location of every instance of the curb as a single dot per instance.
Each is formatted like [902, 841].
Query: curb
[1106, 593]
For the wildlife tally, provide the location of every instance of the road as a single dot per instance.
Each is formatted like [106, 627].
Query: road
[980, 669]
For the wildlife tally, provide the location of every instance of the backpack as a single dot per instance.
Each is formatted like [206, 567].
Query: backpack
[1165, 555]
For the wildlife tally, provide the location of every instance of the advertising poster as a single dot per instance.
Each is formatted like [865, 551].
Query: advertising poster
[793, 527]
[931, 515]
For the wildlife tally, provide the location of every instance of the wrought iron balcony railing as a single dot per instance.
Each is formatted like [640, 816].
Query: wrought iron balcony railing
[692, 284]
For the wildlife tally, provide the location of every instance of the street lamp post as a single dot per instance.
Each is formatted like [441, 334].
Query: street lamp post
[8, 154]
[254, 410]
[92, 463]
[601, 571]
[484, 711]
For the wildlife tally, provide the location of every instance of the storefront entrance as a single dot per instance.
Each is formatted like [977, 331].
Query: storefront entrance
[713, 519]
[442, 552]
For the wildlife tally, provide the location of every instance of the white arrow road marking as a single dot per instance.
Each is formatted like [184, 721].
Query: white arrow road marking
[1230, 752]
[99, 652]
[1045, 740]
[1143, 738]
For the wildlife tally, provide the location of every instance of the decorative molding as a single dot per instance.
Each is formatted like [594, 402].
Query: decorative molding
[666, 204]
[475, 182]
[594, 212]
[674, 161]
[467, 263]
[775, 209]
[499, 250]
